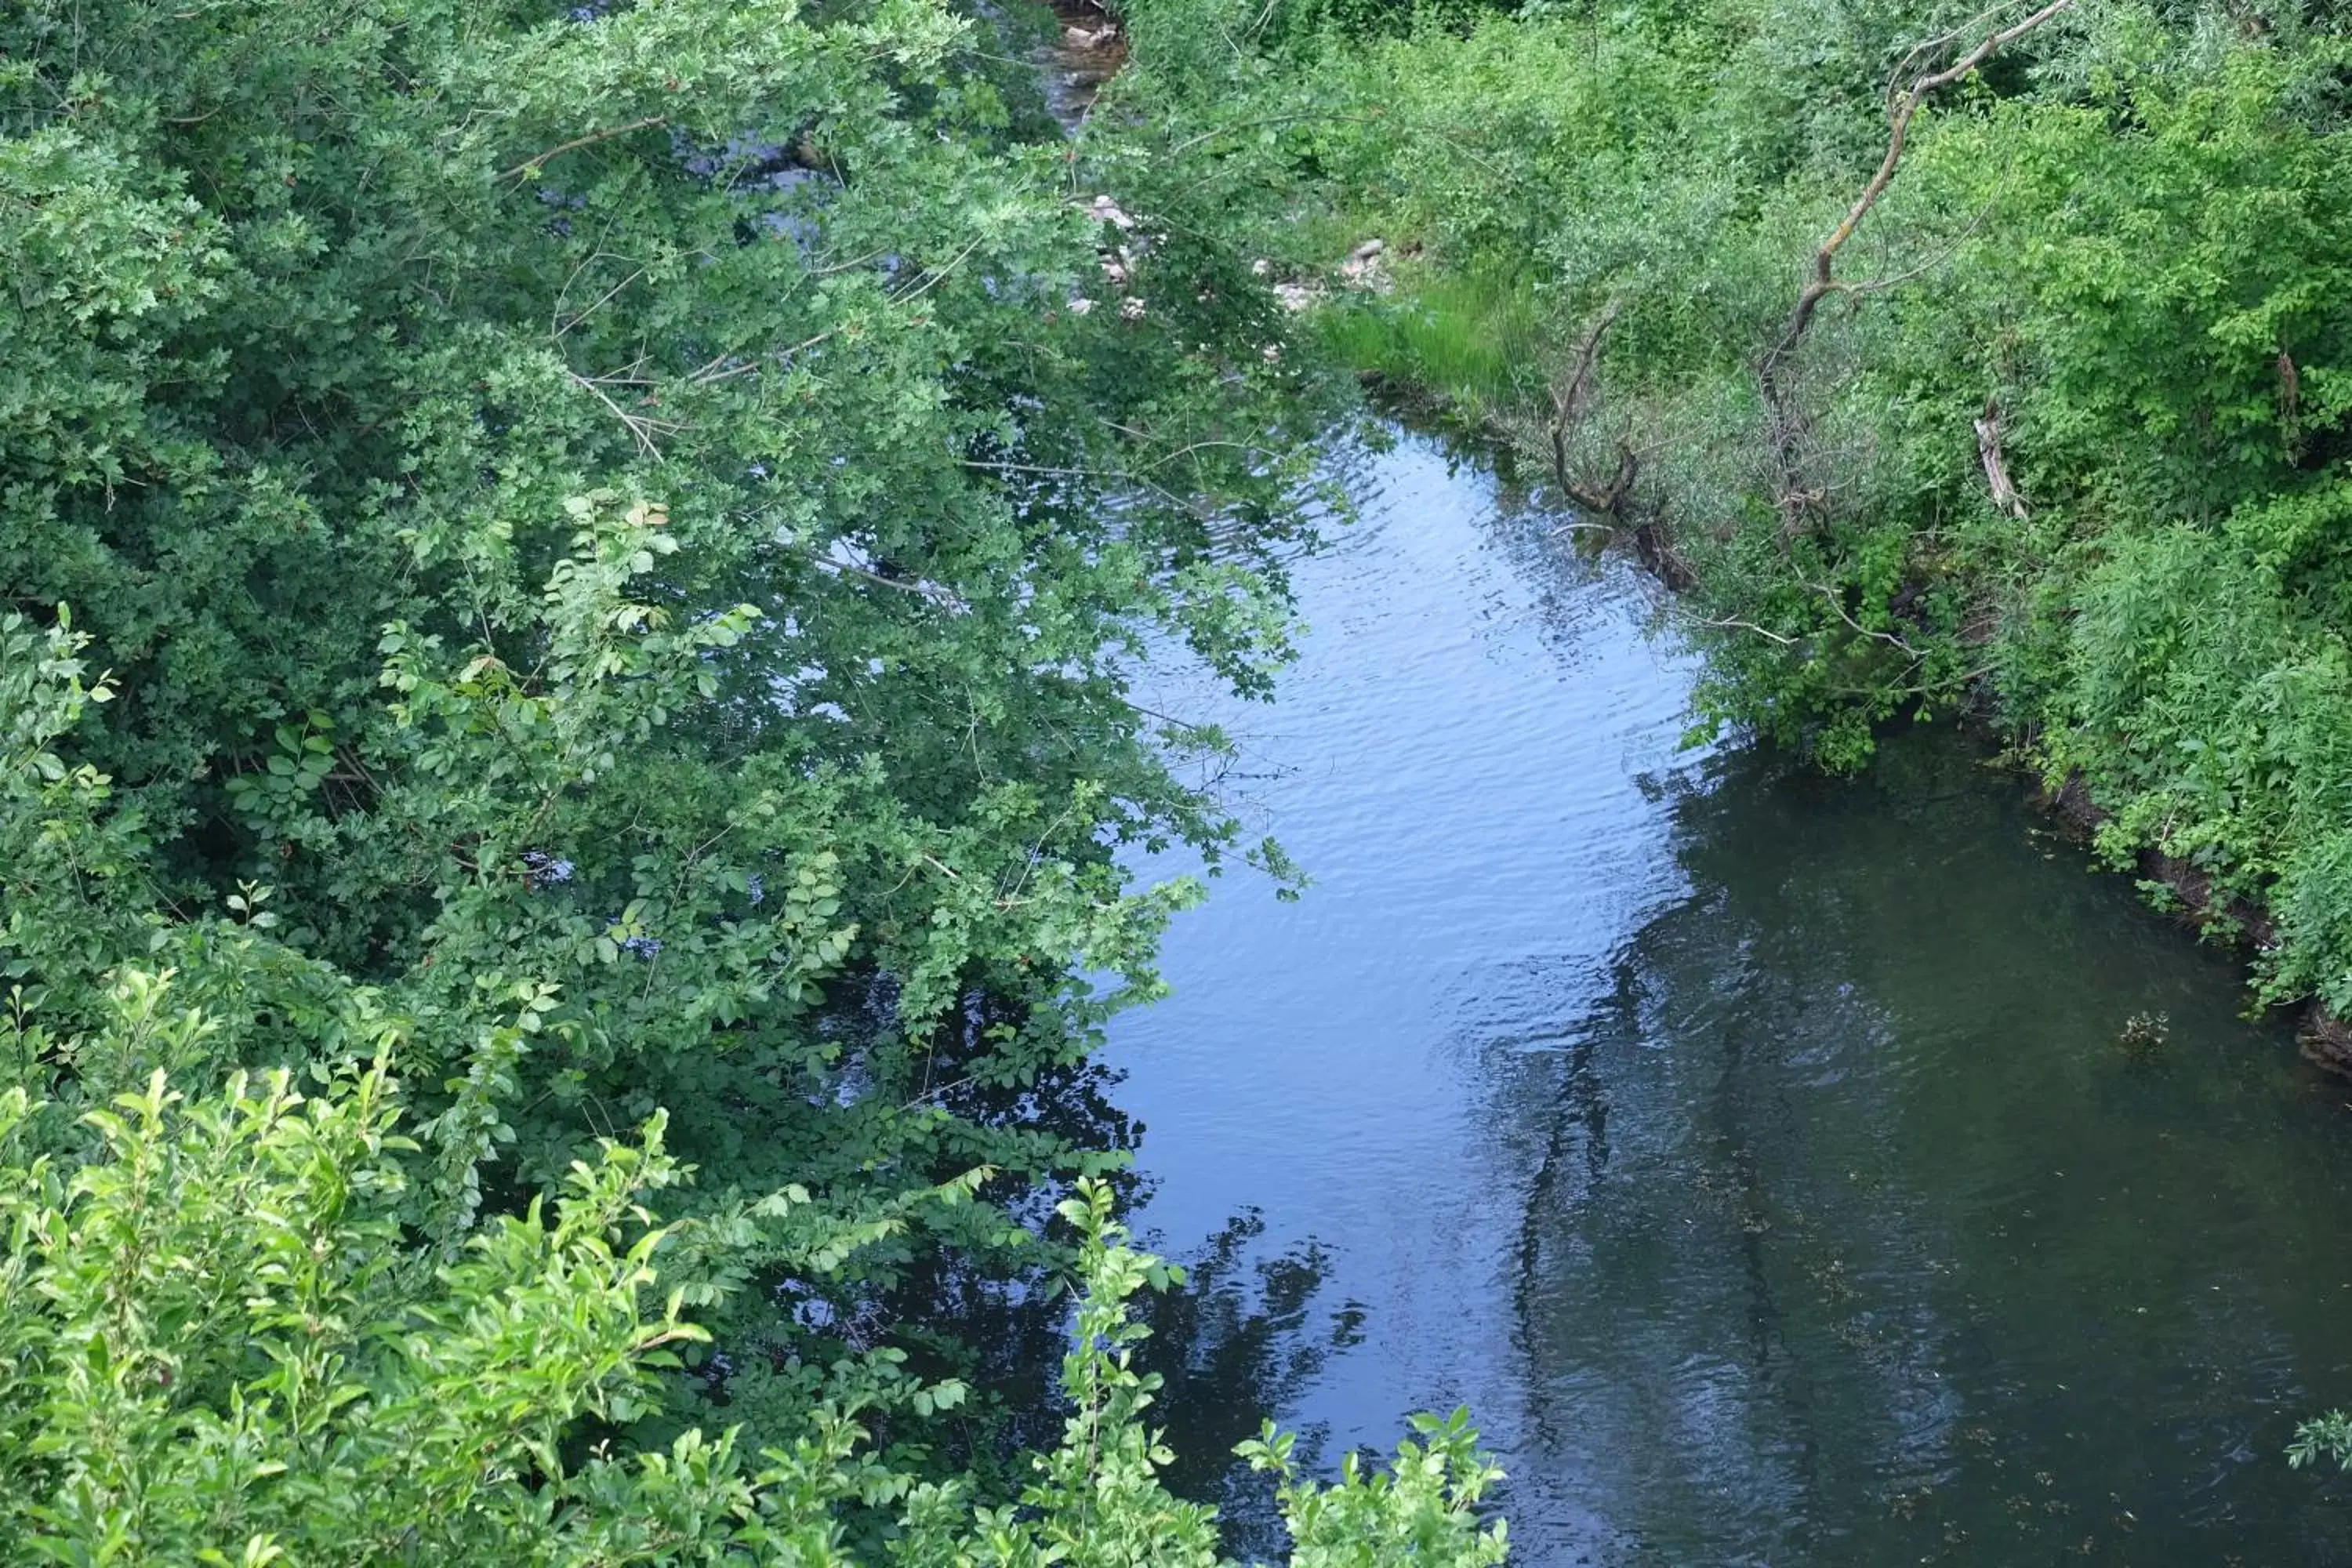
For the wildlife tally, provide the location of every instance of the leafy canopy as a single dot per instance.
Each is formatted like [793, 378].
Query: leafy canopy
[571, 580]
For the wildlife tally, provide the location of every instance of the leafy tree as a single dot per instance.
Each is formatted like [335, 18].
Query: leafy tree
[617, 538]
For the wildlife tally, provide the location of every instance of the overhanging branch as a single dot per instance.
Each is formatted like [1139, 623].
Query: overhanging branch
[1788, 421]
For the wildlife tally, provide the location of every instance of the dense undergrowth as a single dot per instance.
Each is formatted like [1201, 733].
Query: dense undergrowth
[2065, 441]
[570, 579]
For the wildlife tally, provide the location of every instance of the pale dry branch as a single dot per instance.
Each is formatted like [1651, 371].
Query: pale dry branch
[2004, 493]
[943, 597]
[531, 164]
[1739, 626]
[640, 426]
[1837, 607]
[600, 301]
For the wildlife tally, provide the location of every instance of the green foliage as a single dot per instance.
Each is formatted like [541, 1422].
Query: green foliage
[2113, 257]
[220, 1347]
[618, 540]
[1419, 1511]
[2327, 1436]
[1478, 336]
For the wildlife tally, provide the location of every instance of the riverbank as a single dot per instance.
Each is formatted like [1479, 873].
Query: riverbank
[1920, 424]
[2240, 921]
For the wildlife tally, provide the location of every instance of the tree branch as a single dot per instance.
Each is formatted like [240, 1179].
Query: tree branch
[528, 165]
[2004, 493]
[1571, 403]
[640, 426]
[1788, 421]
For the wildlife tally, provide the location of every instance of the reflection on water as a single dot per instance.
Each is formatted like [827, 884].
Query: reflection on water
[1247, 1335]
[1754, 1152]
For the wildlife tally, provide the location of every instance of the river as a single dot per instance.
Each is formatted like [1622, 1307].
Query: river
[1753, 1153]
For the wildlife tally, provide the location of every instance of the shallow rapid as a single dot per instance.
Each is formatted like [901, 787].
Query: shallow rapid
[1757, 1154]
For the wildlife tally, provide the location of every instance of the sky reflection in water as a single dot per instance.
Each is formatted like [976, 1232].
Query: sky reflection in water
[1752, 1151]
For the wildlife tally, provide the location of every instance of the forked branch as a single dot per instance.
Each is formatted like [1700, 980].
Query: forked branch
[1571, 401]
[1823, 281]
[1903, 106]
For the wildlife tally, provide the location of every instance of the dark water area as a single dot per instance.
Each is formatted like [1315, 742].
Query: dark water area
[1754, 1152]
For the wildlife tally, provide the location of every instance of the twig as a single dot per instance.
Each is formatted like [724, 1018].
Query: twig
[935, 276]
[599, 304]
[1889, 638]
[1787, 421]
[710, 371]
[1750, 627]
[930, 591]
[637, 424]
[1880, 285]
[1187, 145]
[529, 164]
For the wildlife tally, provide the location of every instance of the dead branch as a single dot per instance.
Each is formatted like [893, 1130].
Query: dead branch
[2004, 494]
[1607, 502]
[1788, 422]
[531, 164]
[1739, 626]
[1571, 401]
[641, 425]
[1837, 606]
[944, 597]
[1823, 283]
[1655, 547]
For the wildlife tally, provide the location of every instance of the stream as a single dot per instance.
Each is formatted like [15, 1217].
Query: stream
[1754, 1152]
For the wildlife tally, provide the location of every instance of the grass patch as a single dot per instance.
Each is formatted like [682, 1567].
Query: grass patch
[1477, 338]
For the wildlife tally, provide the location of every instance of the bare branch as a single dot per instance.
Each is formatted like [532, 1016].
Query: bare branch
[1788, 421]
[1838, 607]
[1880, 285]
[921, 589]
[641, 425]
[1737, 626]
[530, 165]
[2004, 494]
[601, 300]
[1571, 402]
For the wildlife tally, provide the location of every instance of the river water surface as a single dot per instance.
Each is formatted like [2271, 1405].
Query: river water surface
[1754, 1154]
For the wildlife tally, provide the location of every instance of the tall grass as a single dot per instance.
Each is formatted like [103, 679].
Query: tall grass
[1475, 338]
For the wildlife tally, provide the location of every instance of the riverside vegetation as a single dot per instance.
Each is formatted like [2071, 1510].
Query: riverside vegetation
[1944, 358]
[570, 576]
